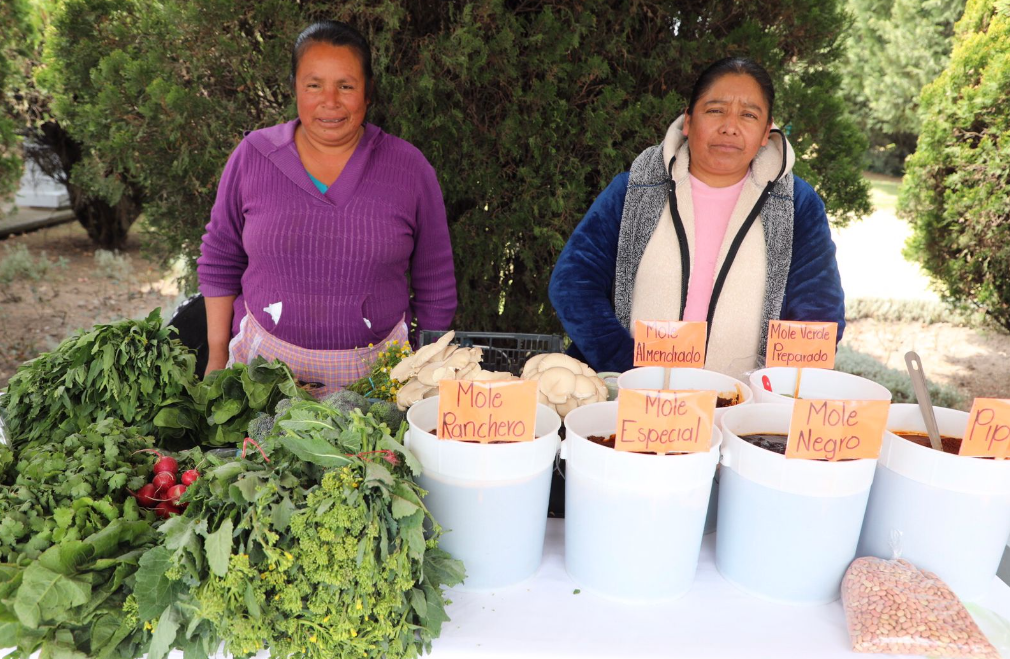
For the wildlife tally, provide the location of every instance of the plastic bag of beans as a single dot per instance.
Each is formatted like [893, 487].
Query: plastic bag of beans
[894, 607]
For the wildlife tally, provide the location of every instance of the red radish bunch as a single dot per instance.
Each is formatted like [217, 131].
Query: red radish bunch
[162, 493]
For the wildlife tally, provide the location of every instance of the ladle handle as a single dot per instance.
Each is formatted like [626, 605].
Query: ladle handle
[914, 365]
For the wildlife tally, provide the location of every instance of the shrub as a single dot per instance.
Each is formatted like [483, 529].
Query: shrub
[525, 110]
[956, 192]
[16, 32]
[894, 48]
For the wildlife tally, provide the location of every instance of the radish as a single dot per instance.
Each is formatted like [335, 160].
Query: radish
[166, 509]
[168, 464]
[175, 492]
[189, 477]
[163, 480]
[146, 494]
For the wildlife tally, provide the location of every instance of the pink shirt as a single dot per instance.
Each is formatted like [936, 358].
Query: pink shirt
[712, 210]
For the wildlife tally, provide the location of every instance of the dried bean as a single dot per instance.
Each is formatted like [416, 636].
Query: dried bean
[893, 607]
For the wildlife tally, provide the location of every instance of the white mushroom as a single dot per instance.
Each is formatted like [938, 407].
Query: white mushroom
[458, 360]
[558, 383]
[410, 393]
[558, 359]
[490, 376]
[564, 383]
[531, 365]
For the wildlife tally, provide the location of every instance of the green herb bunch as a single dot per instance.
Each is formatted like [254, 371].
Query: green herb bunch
[378, 384]
[71, 538]
[319, 552]
[217, 410]
[126, 370]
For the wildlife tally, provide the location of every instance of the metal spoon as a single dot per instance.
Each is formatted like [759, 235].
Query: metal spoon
[914, 365]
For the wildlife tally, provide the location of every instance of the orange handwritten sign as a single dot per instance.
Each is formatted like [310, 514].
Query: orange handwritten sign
[988, 431]
[670, 343]
[487, 411]
[664, 421]
[800, 344]
[837, 429]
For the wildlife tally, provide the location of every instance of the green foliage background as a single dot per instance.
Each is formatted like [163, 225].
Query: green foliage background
[525, 109]
[895, 48]
[16, 33]
[956, 191]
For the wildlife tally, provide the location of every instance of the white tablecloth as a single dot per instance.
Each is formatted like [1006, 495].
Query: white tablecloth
[543, 617]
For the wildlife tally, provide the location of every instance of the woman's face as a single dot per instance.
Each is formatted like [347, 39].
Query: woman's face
[331, 95]
[724, 131]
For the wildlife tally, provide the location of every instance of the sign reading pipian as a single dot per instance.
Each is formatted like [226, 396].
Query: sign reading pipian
[656, 421]
[837, 429]
[801, 344]
[487, 411]
[670, 343]
[988, 431]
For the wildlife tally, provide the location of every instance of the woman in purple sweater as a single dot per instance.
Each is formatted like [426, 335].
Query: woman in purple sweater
[317, 224]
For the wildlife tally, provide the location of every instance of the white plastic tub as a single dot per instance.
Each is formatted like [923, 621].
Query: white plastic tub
[945, 513]
[696, 379]
[651, 377]
[633, 522]
[490, 499]
[815, 383]
[787, 529]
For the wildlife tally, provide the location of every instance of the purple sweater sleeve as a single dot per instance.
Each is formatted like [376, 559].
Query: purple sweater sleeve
[432, 275]
[222, 256]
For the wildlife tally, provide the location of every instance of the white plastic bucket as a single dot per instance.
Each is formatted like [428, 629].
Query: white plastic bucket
[945, 513]
[490, 499]
[696, 379]
[633, 522]
[787, 529]
[651, 377]
[816, 383]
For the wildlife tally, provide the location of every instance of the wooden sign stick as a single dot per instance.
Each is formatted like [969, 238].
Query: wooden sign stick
[666, 378]
[799, 375]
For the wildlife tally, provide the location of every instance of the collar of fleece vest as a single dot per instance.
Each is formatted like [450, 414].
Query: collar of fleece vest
[647, 275]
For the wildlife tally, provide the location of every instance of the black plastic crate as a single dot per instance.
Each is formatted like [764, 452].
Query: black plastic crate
[502, 351]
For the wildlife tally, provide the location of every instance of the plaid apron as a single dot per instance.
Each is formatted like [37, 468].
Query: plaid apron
[320, 372]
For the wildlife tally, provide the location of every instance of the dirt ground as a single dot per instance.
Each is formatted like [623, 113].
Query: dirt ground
[976, 362]
[75, 293]
[36, 315]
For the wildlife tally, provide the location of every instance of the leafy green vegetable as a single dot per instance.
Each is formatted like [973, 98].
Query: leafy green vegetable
[127, 370]
[72, 538]
[217, 411]
[320, 552]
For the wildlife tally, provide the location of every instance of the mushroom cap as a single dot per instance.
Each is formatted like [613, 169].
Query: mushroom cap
[426, 353]
[409, 394]
[559, 359]
[532, 364]
[558, 384]
[584, 387]
[457, 360]
[490, 376]
[564, 408]
[404, 370]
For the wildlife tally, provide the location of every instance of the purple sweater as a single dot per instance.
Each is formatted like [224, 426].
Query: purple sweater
[338, 262]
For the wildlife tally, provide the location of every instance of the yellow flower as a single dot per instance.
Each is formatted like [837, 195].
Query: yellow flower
[312, 639]
[288, 556]
[358, 605]
[354, 633]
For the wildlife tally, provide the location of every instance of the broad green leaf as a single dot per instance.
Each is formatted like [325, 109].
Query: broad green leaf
[225, 410]
[402, 507]
[390, 444]
[218, 546]
[164, 635]
[418, 602]
[47, 595]
[103, 630]
[174, 417]
[249, 486]
[153, 589]
[67, 558]
[280, 514]
[376, 473]
[442, 569]
[250, 602]
[313, 449]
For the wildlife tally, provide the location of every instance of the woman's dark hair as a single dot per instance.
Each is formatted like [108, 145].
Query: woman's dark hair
[335, 33]
[734, 65]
